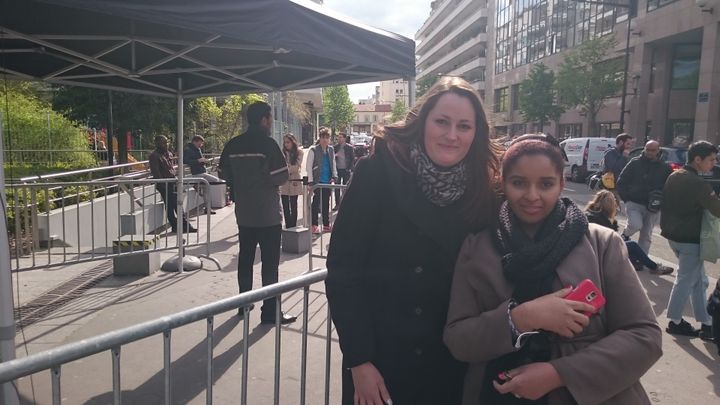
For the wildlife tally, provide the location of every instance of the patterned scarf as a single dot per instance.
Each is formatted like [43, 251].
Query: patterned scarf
[441, 186]
[530, 265]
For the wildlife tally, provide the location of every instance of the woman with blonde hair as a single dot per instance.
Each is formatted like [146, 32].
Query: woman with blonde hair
[602, 210]
[426, 185]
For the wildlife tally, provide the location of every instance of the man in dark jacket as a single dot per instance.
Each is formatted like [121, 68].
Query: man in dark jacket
[193, 157]
[616, 158]
[254, 166]
[686, 196]
[642, 178]
[161, 167]
[344, 161]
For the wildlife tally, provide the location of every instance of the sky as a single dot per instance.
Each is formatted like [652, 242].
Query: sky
[403, 17]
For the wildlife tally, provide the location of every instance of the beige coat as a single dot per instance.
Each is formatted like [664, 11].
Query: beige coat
[294, 187]
[602, 365]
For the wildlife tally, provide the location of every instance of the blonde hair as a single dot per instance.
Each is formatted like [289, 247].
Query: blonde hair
[604, 202]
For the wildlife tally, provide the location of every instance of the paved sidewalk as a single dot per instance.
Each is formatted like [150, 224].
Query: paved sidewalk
[689, 371]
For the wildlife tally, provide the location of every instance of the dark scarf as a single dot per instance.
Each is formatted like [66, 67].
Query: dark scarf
[530, 264]
[441, 186]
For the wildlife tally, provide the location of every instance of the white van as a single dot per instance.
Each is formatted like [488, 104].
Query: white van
[584, 156]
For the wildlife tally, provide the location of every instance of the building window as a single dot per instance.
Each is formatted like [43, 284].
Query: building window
[367, 118]
[501, 100]
[570, 131]
[654, 60]
[685, 67]
[656, 4]
[515, 96]
[608, 130]
[374, 117]
[681, 132]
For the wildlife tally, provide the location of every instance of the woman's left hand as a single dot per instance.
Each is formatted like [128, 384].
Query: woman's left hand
[531, 381]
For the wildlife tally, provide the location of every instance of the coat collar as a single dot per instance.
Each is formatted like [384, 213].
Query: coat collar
[444, 225]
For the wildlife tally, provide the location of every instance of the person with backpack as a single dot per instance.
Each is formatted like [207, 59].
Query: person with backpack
[640, 186]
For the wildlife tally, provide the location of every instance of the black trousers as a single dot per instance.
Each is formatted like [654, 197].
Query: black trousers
[269, 240]
[343, 178]
[168, 193]
[324, 195]
[289, 203]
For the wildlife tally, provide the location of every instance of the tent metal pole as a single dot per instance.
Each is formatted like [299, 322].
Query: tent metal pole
[8, 393]
[412, 93]
[180, 176]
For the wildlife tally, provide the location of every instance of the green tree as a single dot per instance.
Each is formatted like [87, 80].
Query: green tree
[586, 77]
[399, 111]
[31, 126]
[424, 84]
[537, 96]
[218, 119]
[339, 109]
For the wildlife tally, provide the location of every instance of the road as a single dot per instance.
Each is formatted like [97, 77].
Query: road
[660, 248]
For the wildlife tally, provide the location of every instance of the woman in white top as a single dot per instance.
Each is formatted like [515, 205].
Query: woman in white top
[294, 187]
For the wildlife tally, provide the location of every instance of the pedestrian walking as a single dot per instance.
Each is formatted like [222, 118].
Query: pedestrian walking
[255, 167]
[322, 170]
[410, 204]
[602, 210]
[290, 191]
[345, 162]
[615, 159]
[508, 313]
[640, 186]
[686, 195]
[193, 157]
[161, 167]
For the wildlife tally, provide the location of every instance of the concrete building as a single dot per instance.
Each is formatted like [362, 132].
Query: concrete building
[391, 90]
[369, 116]
[673, 85]
[453, 41]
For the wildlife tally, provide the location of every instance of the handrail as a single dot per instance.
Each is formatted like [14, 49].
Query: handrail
[34, 363]
[79, 171]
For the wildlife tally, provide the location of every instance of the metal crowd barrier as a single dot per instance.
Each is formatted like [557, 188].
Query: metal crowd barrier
[324, 188]
[112, 342]
[42, 213]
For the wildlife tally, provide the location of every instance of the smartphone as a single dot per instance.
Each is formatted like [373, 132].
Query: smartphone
[587, 292]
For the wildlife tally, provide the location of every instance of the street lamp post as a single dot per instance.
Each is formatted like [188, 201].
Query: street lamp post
[631, 7]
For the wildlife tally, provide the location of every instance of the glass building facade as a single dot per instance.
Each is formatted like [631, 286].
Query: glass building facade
[529, 30]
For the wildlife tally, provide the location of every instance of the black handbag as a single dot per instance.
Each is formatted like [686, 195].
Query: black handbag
[655, 200]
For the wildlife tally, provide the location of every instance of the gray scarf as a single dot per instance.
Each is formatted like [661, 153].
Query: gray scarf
[441, 186]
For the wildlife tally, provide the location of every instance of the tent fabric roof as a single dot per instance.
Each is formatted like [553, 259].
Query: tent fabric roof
[217, 47]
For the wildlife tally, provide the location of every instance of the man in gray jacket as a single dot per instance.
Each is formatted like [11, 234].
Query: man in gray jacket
[254, 167]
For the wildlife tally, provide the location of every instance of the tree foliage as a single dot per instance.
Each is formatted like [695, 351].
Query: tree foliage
[537, 96]
[131, 112]
[399, 110]
[586, 77]
[424, 84]
[218, 119]
[35, 134]
[339, 109]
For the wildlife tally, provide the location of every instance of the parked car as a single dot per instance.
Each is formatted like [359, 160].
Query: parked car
[584, 156]
[361, 145]
[675, 157]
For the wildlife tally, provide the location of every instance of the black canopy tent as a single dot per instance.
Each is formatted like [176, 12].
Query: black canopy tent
[186, 49]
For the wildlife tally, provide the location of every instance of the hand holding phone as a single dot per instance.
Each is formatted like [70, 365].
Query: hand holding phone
[588, 293]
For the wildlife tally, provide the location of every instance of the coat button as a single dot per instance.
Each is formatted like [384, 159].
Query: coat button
[418, 269]
[418, 351]
[418, 311]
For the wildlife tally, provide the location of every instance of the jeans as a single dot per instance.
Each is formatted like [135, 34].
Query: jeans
[168, 193]
[637, 255]
[691, 282]
[343, 178]
[289, 203]
[269, 240]
[324, 195]
[640, 219]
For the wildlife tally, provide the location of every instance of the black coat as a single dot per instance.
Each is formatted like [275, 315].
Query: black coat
[191, 155]
[640, 177]
[391, 261]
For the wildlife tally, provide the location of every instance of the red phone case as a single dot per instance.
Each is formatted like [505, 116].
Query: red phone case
[587, 292]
